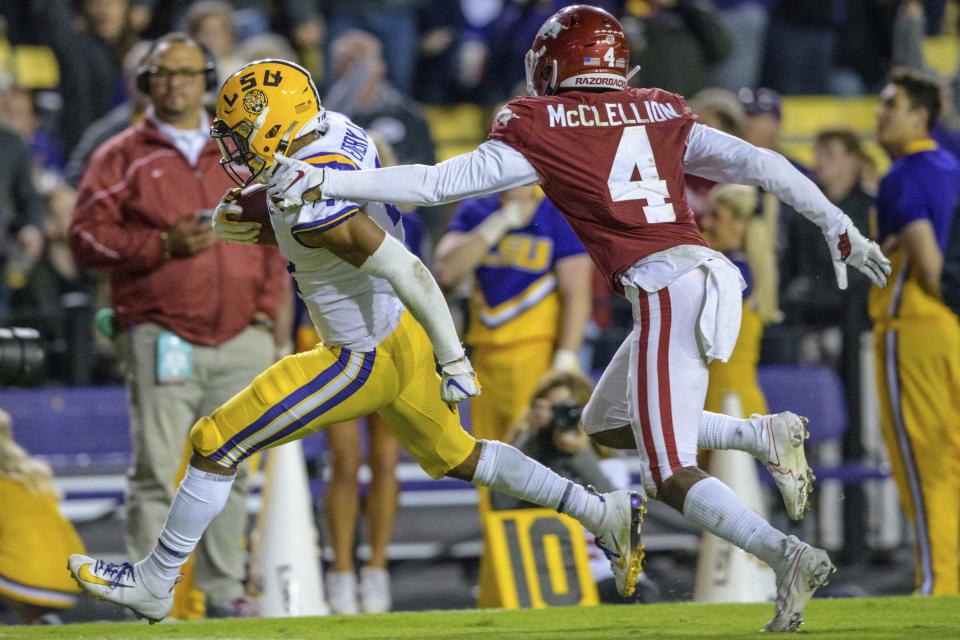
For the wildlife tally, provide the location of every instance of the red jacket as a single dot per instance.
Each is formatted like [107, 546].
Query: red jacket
[136, 185]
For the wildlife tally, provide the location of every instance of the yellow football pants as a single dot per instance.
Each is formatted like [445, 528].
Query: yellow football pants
[304, 392]
[509, 374]
[918, 376]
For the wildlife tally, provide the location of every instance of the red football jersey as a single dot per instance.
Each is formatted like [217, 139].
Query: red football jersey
[612, 163]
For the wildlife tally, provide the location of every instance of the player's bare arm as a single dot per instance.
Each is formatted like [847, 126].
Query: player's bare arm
[353, 241]
[362, 243]
[920, 244]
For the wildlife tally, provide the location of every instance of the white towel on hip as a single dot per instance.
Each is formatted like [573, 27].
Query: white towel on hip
[722, 310]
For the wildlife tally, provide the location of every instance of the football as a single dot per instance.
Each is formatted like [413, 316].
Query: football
[253, 201]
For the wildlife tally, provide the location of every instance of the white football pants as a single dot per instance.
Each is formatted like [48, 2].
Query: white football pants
[657, 380]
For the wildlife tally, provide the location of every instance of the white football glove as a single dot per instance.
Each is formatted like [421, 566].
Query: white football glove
[233, 230]
[458, 381]
[851, 248]
[288, 179]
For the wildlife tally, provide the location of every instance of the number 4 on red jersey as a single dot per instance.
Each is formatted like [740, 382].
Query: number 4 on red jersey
[634, 176]
[612, 163]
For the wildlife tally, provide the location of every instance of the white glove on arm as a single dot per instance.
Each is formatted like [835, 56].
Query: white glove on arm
[458, 381]
[851, 248]
[289, 179]
[232, 230]
[417, 289]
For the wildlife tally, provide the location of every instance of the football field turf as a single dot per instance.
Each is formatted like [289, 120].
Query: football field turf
[866, 619]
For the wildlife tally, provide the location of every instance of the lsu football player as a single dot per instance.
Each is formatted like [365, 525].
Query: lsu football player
[381, 318]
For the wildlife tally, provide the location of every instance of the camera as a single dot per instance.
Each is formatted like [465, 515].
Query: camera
[21, 357]
[566, 415]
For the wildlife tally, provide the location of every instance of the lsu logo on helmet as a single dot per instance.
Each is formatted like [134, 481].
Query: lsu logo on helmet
[260, 108]
[255, 102]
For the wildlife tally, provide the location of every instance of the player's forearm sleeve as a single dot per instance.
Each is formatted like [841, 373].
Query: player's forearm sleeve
[417, 289]
[718, 156]
[493, 166]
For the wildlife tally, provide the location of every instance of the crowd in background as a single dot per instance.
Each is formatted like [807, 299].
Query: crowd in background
[380, 61]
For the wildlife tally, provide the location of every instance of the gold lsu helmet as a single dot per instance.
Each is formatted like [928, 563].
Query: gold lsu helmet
[261, 107]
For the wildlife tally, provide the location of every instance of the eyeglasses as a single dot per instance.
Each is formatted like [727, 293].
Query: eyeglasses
[163, 74]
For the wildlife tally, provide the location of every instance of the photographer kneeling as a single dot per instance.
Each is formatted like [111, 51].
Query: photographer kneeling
[550, 433]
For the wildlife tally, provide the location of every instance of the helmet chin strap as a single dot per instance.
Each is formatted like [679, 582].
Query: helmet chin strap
[552, 85]
[258, 124]
[317, 124]
[286, 138]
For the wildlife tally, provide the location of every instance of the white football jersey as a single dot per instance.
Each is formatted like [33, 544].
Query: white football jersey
[349, 308]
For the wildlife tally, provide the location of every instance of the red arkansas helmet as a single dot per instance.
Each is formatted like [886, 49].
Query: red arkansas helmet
[578, 47]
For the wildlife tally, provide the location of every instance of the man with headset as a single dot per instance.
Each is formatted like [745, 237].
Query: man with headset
[195, 314]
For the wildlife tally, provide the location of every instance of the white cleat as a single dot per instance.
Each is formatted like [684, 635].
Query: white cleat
[118, 583]
[619, 536]
[787, 462]
[804, 569]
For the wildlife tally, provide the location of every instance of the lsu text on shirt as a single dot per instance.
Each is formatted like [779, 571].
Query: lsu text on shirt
[515, 298]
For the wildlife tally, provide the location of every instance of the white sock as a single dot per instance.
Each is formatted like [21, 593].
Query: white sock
[719, 431]
[505, 469]
[713, 506]
[200, 497]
